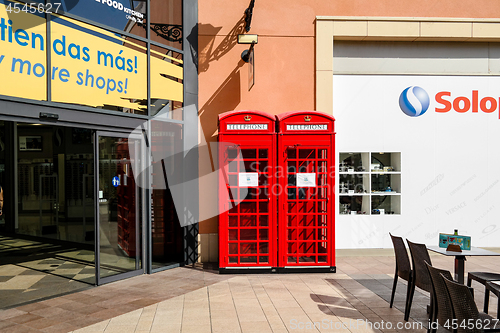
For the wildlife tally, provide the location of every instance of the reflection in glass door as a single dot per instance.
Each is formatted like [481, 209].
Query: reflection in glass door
[48, 185]
[119, 245]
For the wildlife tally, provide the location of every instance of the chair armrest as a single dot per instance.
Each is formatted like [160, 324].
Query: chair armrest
[471, 291]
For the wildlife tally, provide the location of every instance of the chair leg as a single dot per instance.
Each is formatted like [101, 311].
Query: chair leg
[409, 298]
[469, 281]
[431, 315]
[498, 308]
[486, 300]
[408, 302]
[394, 287]
[432, 324]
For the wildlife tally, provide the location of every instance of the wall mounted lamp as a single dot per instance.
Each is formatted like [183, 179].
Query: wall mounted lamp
[247, 39]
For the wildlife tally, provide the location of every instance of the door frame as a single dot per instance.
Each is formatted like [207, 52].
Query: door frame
[315, 142]
[268, 143]
[139, 204]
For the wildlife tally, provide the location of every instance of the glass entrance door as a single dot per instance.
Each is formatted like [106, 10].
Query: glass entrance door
[119, 241]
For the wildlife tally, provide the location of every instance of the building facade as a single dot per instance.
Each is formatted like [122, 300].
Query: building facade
[98, 118]
[412, 86]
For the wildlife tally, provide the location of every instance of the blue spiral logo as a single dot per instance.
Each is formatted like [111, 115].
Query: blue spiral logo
[414, 101]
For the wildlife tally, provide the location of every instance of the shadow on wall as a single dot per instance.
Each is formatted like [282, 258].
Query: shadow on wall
[225, 97]
[192, 39]
[228, 95]
[206, 54]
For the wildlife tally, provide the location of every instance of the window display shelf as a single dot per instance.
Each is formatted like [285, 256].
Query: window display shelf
[385, 193]
[386, 204]
[386, 172]
[354, 183]
[353, 194]
[355, 173]
[385, 162]
[370, 175]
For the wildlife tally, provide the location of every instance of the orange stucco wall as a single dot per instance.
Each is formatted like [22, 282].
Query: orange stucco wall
[284, 57]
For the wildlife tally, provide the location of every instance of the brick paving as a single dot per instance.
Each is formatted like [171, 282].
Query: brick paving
[355, 299]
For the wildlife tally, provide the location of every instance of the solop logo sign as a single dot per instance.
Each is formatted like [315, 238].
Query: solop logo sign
[414, 101]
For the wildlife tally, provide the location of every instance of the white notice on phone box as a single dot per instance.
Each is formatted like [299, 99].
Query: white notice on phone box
[248, 179]
[306, 179]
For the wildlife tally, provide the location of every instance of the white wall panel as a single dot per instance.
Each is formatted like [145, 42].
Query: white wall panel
[447, 58]
[450, 177]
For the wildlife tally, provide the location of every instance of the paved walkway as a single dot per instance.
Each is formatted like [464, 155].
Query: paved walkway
[355, 299]
[31, 270]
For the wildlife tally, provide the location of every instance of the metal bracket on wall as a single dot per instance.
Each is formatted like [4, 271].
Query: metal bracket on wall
[248, 15]
[170, 32]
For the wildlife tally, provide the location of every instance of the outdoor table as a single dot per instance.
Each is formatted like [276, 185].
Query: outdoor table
[460, 258]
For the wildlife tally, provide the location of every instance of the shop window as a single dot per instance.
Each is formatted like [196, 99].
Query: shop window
[125, 15]
[166, 22]
[166, 83]
[24, 56]
[370, 183]
[96, 68]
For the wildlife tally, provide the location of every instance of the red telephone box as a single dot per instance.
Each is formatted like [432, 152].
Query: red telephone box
[247, 204]
[306, 223]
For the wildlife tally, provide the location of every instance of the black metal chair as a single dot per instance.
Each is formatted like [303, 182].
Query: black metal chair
[467, 317]
[483, 278]
[420, 275]
[493, 287]
[403, 269]
[442, 309]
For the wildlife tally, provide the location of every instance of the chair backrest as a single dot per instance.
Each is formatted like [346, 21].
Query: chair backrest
[402, 259]
[464, 307]
[419, 255]
[443, 302]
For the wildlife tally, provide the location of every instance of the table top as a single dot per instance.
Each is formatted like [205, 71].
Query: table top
[474, 251]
